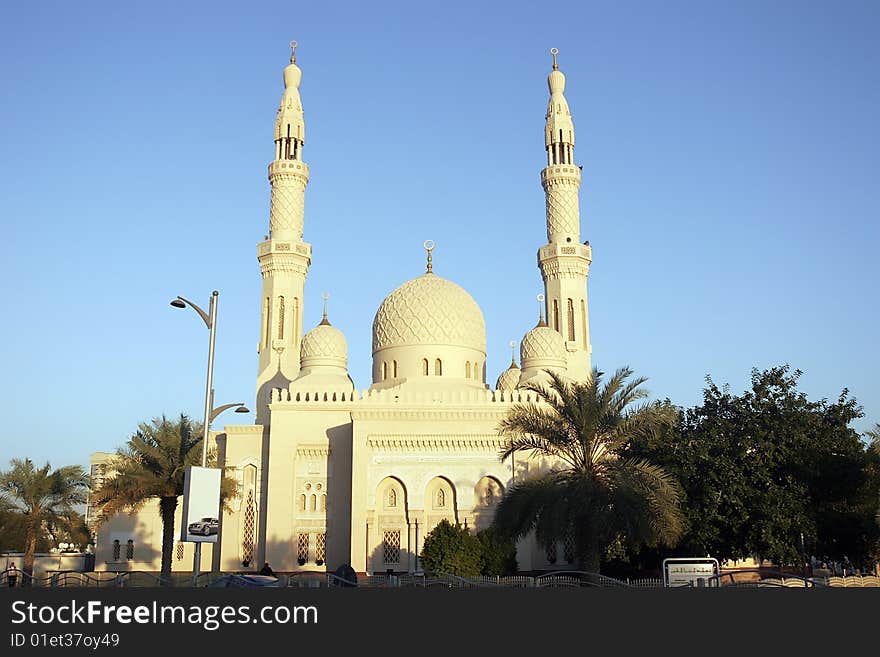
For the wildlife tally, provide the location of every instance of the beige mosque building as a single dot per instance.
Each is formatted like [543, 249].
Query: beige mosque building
[331, 475]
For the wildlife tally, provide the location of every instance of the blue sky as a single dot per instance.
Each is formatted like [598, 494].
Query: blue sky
[730, 157]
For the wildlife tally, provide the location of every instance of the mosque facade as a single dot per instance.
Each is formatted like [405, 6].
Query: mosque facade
[331, 475]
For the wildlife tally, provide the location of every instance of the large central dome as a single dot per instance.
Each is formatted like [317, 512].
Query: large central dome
[429, 310]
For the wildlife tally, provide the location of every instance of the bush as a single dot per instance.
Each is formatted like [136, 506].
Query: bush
[498, 554]
[452, 549]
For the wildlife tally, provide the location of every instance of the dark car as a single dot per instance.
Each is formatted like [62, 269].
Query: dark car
[246, 581]
[205, 526]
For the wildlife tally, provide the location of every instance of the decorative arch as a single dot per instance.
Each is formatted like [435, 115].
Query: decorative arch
[441, 498]
[391, 496]
[488, 491]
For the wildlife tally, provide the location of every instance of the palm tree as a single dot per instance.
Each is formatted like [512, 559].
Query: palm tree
[44, 498]
[594, 495]
[152, 465]
[874, 435]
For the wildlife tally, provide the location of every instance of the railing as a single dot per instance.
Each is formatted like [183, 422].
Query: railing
[762, 579]
[560, 579]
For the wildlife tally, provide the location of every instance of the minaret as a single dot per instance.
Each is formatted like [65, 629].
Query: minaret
[284, 258]
[564, 261]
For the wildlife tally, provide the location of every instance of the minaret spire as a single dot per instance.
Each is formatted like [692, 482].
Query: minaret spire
[564, 261]
[284, 258]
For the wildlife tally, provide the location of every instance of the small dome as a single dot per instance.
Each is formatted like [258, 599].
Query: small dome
[429, 310]
[323, 343]
[542, 343]
[509, 378]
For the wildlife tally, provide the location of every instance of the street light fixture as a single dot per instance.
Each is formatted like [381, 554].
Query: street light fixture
[210, 320]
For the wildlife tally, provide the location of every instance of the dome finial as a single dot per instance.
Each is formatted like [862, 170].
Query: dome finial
[541, 321]
[293, 45]
[554, 52]
[429, 246]
[324, 322]
[512, 345]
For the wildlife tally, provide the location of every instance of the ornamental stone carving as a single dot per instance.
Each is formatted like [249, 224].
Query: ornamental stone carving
[540, 344]
[429, 310]
[324, 341]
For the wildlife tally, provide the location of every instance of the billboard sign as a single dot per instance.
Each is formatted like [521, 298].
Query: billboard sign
[201, 505]
[689, 571]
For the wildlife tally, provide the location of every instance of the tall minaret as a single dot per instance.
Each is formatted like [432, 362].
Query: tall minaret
[284, 258]
[564, 261]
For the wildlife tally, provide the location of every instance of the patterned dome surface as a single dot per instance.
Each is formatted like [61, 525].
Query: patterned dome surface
[429, 310]
[542, 342]
[324, 341]
[509, 379]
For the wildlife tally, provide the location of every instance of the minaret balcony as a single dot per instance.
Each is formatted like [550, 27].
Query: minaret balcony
[289, 166]
[566, 250]
[561, 171]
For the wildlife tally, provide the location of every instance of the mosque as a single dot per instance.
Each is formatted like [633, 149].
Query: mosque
[331, 475]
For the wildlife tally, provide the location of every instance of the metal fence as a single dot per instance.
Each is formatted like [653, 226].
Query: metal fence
[563, 579]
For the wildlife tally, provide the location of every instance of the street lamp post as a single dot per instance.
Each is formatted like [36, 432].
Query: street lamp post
[210, 319]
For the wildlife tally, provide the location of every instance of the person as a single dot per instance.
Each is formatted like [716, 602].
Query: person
[267, 570]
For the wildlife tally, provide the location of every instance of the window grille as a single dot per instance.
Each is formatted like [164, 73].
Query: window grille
[248, 538]
[391, 546]
[178, 551]
[320, 548]
[280, 318]
[129, 550]
[550, 552]
[441, 498]
[117, 547]
[568, 547]
[302, 552]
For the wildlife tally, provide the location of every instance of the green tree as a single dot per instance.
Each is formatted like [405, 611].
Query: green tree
[152, 465]
[451, 549]
[41, 498]
[497, 553]
[762, 468]
[595, 495]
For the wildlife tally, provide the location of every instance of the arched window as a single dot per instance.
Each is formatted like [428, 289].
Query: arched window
[129, 550]
[467, 369]
[116, 550]
[394, 368]
[438, 367]
[424, 366]
[392, 497]
[266, 320]
[323, 502]
[280, 318]
[555, 315]
[441, 498]
[584, 323]
[313, 503]
[571, 320]
[302, 502]
[384, 371]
